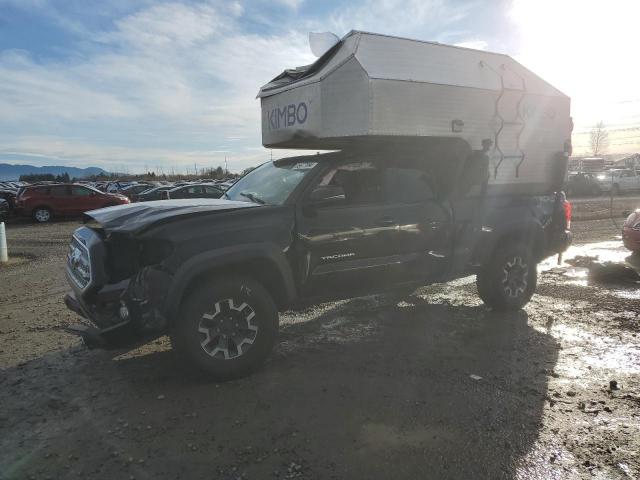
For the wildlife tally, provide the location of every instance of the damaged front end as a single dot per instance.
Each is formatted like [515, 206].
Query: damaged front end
[118, 283]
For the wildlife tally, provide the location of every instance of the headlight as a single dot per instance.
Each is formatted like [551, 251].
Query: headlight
[78, 263]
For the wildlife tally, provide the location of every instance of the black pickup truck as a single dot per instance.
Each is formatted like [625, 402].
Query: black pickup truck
[213, 274]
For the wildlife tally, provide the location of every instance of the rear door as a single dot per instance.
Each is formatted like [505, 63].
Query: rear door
[348, 243]
[424, 236]
[60, 199]
[85, 199]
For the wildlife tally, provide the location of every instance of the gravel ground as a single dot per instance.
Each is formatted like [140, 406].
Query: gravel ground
[433, 385]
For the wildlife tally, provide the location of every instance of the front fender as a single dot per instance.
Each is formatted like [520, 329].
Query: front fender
[224, 257]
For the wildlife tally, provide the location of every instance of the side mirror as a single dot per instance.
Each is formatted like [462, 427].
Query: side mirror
[327, 194]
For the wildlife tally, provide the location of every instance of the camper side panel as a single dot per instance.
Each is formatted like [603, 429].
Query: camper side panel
[534, 125]
[422, 109]
[292, 116]
[345, 97]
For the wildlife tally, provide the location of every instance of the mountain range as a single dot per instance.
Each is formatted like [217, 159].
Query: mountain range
[12, 172]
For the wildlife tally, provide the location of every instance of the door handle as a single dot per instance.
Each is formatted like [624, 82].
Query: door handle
[386, 222]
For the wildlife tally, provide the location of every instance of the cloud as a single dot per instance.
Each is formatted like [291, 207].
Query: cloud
[171, 82]
[401, 17]
[174, 82]
[587, 49]
[294, 4]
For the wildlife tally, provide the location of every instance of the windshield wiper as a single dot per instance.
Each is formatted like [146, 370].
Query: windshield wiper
[253, 198]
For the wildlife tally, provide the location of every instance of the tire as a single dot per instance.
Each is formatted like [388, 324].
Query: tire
[42, 214]
[501, 292]
[223, 348]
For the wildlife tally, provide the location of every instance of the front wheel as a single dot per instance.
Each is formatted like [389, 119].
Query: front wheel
[509, 280]
[227, 328]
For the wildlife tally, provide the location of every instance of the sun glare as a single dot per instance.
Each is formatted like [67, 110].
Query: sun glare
[587, 49]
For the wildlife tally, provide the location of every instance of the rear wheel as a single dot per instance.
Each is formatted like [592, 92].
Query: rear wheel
[227, 328]
[509, 280]
[42, 214]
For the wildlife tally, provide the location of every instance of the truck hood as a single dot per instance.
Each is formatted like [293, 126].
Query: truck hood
[137, 217]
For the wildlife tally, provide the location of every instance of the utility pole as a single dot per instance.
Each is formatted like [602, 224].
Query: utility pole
[226, 170]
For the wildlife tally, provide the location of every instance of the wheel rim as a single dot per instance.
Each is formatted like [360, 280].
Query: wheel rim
[228, 331]
[43, 215]
[514, 280]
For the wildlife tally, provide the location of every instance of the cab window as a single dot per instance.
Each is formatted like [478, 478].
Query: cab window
[407, 185]
[362, 182]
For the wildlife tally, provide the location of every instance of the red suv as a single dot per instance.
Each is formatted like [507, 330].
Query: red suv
[43, 202]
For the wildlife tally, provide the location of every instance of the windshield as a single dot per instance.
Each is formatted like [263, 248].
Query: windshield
[270, 183]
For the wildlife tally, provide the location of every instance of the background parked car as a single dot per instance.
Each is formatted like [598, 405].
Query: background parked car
[619, 181]
[9, 195]
[4, 210]
[154, 193]
[582, 184]
[631, 232]
[133, 191]
[195, 191]
[43, 202]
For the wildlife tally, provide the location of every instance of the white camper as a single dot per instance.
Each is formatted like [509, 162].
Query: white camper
[370, 86]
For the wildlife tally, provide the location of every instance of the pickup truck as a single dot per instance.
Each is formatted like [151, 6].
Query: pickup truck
[213, 274]
[618, 181]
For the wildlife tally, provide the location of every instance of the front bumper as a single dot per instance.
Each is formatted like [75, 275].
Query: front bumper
[112, 336]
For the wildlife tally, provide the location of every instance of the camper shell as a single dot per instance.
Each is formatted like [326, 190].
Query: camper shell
[370, 87]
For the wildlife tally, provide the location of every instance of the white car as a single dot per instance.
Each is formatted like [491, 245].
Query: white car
[619, 181]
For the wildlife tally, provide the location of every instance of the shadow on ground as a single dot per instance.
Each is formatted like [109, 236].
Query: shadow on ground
[364, 390]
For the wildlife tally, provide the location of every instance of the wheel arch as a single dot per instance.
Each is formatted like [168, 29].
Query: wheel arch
[265, 263]
[530, 233]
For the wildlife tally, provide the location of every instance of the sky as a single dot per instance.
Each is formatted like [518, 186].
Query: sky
[169, 86]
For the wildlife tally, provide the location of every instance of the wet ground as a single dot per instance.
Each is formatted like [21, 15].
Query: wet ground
[431, 385]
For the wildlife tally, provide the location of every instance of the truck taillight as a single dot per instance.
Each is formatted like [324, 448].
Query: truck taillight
[568, 209]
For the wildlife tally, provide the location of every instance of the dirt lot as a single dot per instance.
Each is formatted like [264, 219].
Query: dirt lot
[429, 386]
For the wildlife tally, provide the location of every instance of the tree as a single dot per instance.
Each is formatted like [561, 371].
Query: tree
[64, 178]
[37, 177]
[599, 139]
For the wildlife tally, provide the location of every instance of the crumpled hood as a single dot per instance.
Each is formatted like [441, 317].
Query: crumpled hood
[136, 217]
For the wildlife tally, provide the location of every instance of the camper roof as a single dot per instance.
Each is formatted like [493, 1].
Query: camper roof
[395, 58]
